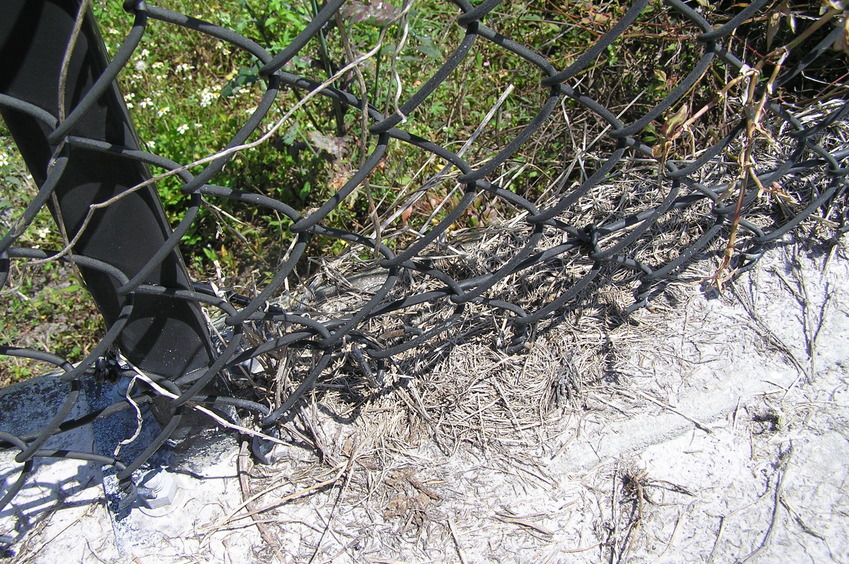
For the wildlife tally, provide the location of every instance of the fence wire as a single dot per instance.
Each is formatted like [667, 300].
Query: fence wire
[726, 200]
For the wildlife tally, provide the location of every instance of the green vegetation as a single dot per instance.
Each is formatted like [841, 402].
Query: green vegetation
[44, 310]
[189, 94]
[42, 305]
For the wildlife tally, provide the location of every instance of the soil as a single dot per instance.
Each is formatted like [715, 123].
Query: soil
[710, 428]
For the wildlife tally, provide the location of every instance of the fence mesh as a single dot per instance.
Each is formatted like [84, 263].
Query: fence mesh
[732, 152]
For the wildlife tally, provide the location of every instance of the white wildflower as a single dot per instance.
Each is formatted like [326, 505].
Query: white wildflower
[4, 159]
[162, 111]
[182, 129]
[207, 96]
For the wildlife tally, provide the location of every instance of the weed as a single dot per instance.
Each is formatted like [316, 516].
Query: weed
[190, 93]
[43, 307]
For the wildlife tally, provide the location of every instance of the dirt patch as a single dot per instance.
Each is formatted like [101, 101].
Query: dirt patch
[714, 429]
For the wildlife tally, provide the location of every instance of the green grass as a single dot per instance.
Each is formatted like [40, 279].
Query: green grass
[188, 94]
[41, 306]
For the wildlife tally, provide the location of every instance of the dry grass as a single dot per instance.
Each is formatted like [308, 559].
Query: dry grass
[365, 441]
[459, 383]
[359, 439]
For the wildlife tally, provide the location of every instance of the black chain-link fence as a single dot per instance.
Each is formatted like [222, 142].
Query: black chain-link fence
[634, 217]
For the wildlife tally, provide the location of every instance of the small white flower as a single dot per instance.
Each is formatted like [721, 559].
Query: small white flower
[144, 53]
[4, 159]
[158, 65]
[141, 66]
[182, 128]
[146, 103]
[206, 97]
[42, 232]
[162, 111]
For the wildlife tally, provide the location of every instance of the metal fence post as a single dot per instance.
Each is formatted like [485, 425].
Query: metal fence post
[164, 335]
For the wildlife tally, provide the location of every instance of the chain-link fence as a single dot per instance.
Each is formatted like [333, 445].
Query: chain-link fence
[731, 152]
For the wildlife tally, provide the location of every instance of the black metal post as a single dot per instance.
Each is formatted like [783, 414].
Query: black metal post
[164, 335]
